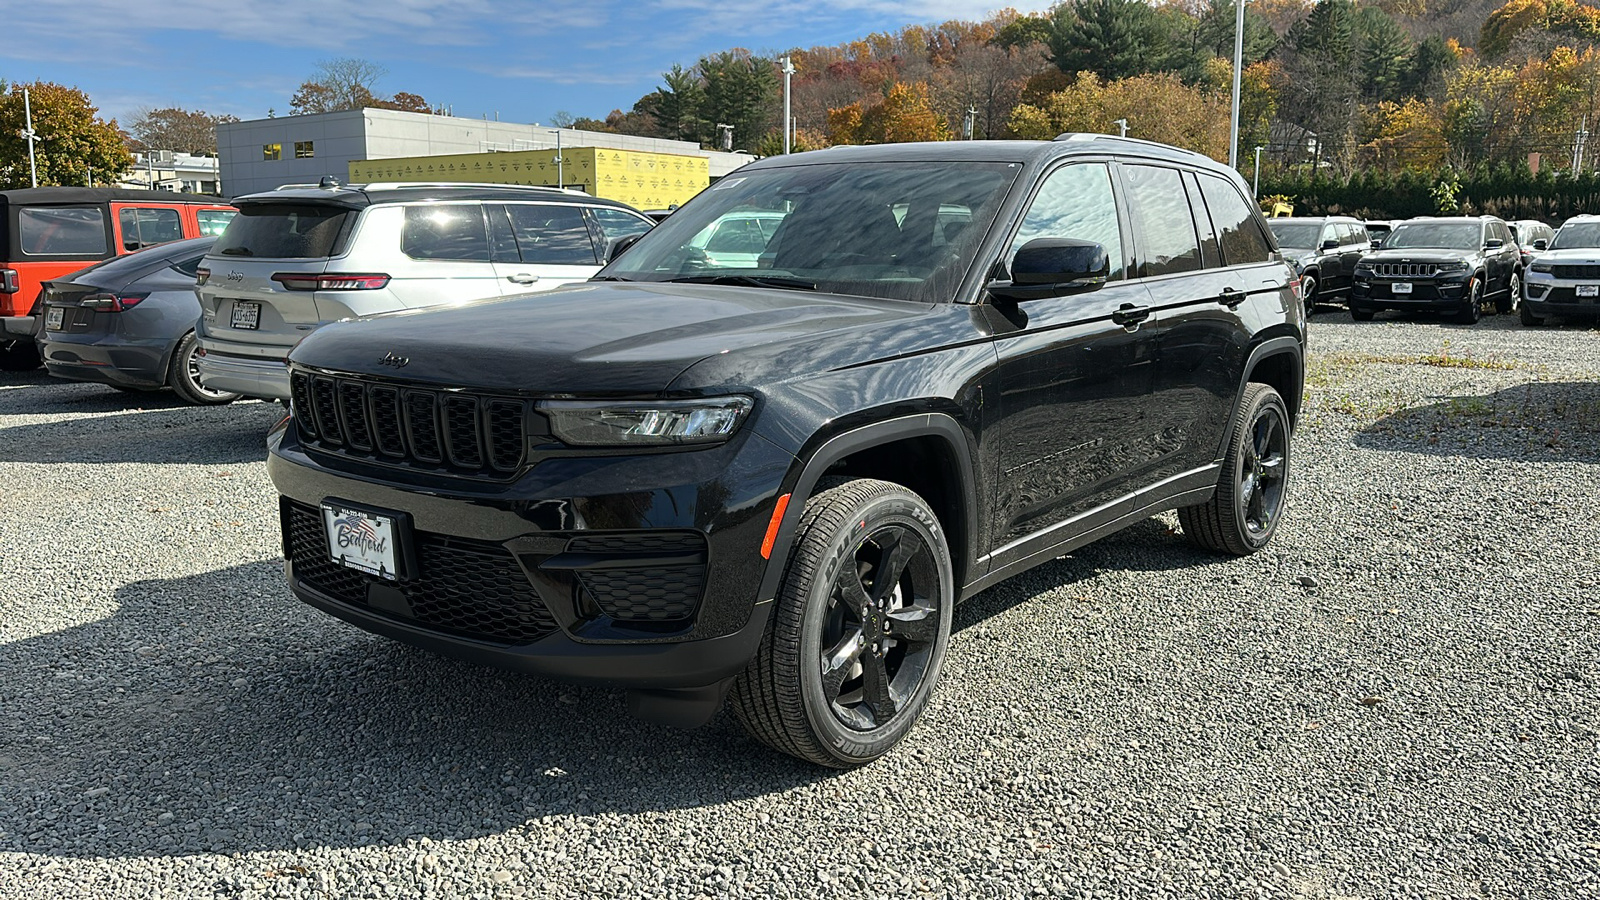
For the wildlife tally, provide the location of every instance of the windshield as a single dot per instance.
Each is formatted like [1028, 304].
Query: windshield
[1296, 235]
[906, 231]
[1437, 236]
[1586, 234]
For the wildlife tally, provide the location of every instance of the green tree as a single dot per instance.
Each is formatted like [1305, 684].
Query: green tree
[1214, 33]
[71, 137]
[741, 90]
[677, 106]
[1385, 54]
[1114, 39]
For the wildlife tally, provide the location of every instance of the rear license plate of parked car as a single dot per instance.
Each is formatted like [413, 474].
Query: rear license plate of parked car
[1401, 287]
[361, 540]
[54, 318]
[247, 315]
[1589, 290]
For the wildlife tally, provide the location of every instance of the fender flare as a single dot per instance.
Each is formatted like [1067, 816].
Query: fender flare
[939, 425]
[1278, 346]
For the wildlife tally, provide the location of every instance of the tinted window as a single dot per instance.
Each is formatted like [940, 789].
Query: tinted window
[552, 235]
[1167, 241]
[1237, 230]
[65, 231]
[213, 221]
[1294, 235]
[280, 231]
[445, 232]
[614, 223]
[143, 227]
[1076, 202]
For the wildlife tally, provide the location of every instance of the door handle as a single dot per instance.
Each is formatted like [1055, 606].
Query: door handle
[1231, 298]
[522, 278]
[1130, 314]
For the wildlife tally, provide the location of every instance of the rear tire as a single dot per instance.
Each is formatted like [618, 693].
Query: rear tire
[858, 630]
[184, 377]
[1253, 489]
[20, 356]
[1308, 293]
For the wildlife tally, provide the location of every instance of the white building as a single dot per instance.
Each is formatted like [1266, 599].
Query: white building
[262, 154]
[164, 170]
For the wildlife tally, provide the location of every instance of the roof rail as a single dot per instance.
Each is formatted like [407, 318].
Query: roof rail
[308, 186]
[1081, 136]
[391, 185]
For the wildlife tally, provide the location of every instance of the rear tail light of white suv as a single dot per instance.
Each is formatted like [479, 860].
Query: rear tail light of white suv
[331, 282]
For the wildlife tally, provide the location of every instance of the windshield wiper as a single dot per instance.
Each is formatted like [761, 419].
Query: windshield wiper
[237, 251]
[776, 281]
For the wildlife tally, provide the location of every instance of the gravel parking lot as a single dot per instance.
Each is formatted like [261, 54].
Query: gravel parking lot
[1397, 699]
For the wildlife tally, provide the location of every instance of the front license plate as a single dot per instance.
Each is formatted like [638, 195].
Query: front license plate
[1589, 290]
[54, 318]
[361, 540]
[247, 315]
[1401, 287]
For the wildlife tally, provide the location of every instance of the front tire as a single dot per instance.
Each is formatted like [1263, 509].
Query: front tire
[856, 639]
[1361, 313]
[1528, 318]
[183, 375]
[19, 356]
[1253, 489]
[1509, 301]
[1473, 308]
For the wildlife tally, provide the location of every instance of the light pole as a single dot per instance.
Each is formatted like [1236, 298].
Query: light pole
[1256, 187]
[561, 174]
[1238, 71]
[726, 133]
[1122, 126]
[788, 70]
[970, 126]
[30, 135]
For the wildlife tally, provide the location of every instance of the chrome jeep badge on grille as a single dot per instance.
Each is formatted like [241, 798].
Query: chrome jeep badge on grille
[399, 362]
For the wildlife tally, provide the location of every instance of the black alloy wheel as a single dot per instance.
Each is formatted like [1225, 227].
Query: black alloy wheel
[1472, 309]
[1253, 487]
[858, 631]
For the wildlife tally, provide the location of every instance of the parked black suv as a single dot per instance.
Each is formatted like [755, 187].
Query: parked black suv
[1447, 265]
[953, 362]
[1325, 252]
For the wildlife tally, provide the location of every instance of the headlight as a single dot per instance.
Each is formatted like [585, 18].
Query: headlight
[645, 423]
[1542, 266]
[1454, 268]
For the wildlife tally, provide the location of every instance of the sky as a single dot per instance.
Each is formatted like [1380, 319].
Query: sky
[524, 60]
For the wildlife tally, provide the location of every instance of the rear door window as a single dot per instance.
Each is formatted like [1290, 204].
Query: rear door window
[1167, 241]
[283, 231]
[445, 232]
[147, 226]
[552, 235]
[77, 231]
[1242, 239]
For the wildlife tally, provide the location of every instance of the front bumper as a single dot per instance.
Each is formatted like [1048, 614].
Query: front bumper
[564, 571]
[1441, 293]
[1549, 297]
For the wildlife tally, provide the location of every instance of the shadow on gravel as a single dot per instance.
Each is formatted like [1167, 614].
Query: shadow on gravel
[181, 434]
[259, 723]
[1537, 420]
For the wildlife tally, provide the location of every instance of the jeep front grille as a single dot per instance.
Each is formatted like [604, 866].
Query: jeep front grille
[1576, 271]
[1405, 270]
[426, 428]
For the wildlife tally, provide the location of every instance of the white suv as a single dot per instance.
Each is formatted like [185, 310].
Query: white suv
[303, 256]
[1565, 279]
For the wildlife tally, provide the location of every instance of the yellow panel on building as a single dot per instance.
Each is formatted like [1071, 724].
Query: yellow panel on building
[641, 180]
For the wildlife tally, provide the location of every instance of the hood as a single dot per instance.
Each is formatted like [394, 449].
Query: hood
[1419, 254]
[589, 339]
[1579, 255]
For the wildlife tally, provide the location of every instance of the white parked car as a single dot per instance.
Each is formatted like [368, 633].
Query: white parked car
[303, 256]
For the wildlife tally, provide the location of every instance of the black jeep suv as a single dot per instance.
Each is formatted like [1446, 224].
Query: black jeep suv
[1324, 252]
[1449, 265]
[771, 484]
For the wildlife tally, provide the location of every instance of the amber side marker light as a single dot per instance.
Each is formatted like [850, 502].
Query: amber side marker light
[772, 526]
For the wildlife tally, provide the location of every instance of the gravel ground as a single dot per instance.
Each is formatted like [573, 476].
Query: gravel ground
[1397, 699]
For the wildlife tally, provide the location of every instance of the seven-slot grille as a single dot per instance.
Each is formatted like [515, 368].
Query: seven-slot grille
[1576, 271]
[1406, 270]
[391, 423]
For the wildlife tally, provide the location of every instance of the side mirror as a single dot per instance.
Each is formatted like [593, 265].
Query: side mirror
[1330, 244]
[616, 247]
[1376, 243]
[1493, 244]
[1541, 244]
[1054, 267]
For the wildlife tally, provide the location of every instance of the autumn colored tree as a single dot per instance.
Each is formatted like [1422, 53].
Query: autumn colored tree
[1407, 135]
[171, 128]
[905, 114]
[348, 83]
[71, 137]
[1158, 107]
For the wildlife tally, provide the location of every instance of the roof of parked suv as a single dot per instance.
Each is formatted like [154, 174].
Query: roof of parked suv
[58, 196]
[992, 151]
[356, 196]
